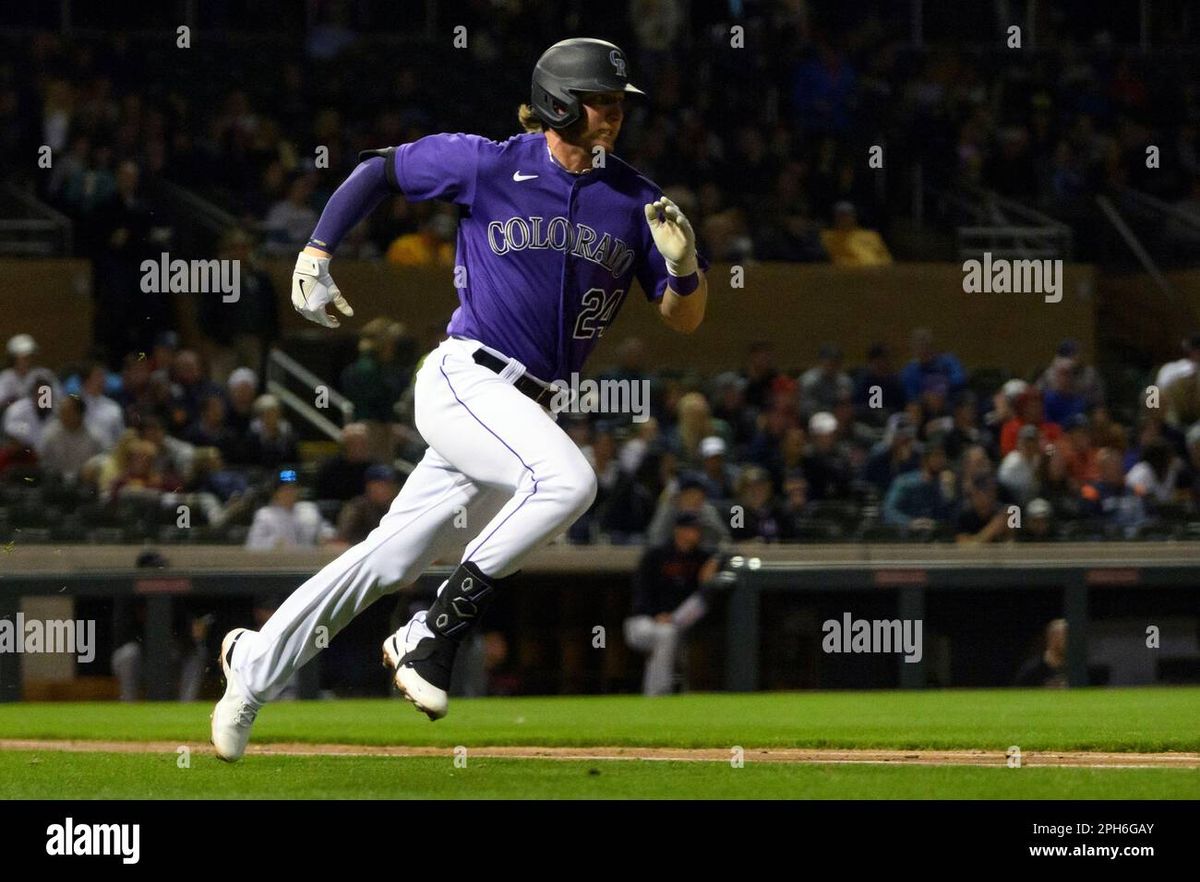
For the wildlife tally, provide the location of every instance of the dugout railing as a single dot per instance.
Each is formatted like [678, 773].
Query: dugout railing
[912, 579]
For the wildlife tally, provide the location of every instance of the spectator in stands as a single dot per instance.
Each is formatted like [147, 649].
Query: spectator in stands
[669, 597]
[1003, 409]
[1047, 669]
[67, 443]
[1058, 487]
[963, 430]
[825, 467]
[136, 393]
[756, 516]
[796, 507]
[125, 319]
[242, 391]
[189, 387]
[103, 415]
[1019, 470]
[18, 380]
[821, 386]
[363, 513]
[687, 494]
[1108, 499]
[375, 382]
[918, 500]
[894, 455]
[878, 392]
[1068, 386]
[719, 475]
[212, 430]
[982, 519]
[291, 220]
[931, 411]
[695, 423]
[344, 475]
[926, 362]
[1029, 413]
[759, 374]
[240, 331]
[729, 404]
[432, 244]
[162, 353]
[1077, 450]
[1156, 475]
[1105, 431]
[138, 472]
[848, 244]
[1152, 427]
[1038, 525]
[601, 453]
[287, 521]
[1181, 400]
[25, 420]
[625, 502]
[173, 457]
[224, 490]
[852, 439]
[1181, 367]
[823, 86]
[776, 431]
[272, 441]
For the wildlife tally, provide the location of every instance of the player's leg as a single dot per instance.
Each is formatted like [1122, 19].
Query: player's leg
[258, 665]
[660, 641]
[429, 506]
[499, 438]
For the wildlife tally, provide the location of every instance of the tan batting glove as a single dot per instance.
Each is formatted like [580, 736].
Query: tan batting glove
[313, 289]
[673, 235]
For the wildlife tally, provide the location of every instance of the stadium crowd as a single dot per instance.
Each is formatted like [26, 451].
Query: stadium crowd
[267, 135]
[921, 450]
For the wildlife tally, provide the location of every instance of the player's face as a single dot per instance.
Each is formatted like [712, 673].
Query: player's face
[603, 114]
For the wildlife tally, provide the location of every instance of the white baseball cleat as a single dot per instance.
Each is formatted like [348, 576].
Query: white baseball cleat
[235, 712]
[422, 661]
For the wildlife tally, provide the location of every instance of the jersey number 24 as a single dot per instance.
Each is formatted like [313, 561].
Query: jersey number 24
[598, 309]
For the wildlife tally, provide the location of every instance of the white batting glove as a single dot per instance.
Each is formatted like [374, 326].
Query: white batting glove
[313, 289]
[673, 235]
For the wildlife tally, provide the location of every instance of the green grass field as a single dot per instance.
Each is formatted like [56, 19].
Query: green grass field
[1112, 720]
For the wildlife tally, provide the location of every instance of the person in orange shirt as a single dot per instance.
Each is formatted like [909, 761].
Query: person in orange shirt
[1078, 451]
[1029, 410]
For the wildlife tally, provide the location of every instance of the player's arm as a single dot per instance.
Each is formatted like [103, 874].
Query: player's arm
[684, 313]
[686, 295]
[313, 287]
[443, 166]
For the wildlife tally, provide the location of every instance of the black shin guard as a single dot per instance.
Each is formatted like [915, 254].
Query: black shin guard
[464, 599]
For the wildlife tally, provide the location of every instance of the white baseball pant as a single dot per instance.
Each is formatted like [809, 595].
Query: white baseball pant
[499, 479]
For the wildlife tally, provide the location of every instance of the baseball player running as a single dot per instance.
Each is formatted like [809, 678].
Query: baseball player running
[553, 230]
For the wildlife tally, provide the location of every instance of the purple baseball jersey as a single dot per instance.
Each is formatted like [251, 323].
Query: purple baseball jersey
[548, 255]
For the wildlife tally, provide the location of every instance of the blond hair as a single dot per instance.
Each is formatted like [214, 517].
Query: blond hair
[529, 119]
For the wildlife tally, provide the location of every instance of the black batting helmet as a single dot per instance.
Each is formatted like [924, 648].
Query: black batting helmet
[572, 67]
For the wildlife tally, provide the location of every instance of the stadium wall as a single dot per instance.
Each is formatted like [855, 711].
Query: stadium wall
[797, 306]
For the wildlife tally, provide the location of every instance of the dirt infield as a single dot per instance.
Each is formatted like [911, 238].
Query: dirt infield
[760, 755]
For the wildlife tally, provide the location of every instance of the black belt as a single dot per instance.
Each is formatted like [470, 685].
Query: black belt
[526, 385]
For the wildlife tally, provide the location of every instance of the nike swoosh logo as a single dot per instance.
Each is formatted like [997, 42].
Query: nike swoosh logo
[517, 176]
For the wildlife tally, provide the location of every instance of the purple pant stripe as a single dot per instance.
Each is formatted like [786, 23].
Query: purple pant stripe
[483, 541]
